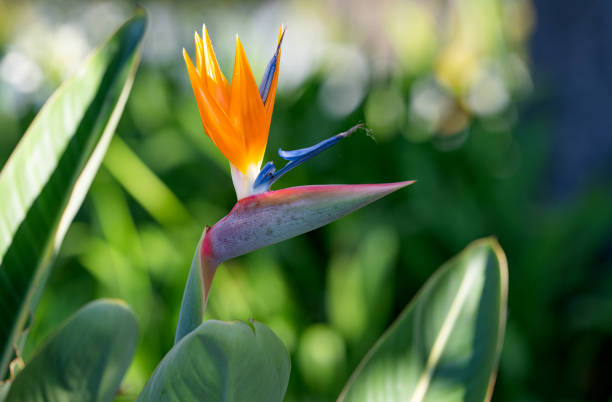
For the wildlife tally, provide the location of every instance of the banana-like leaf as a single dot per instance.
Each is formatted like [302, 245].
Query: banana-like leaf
[46, 178]
[445, 346]
[264, 219]
[222, 361]
[84, 360]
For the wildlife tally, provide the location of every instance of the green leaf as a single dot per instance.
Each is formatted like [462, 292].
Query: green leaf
[46, 178]
[192, 305]
[445, 346]
[84, 360]
[222, 361]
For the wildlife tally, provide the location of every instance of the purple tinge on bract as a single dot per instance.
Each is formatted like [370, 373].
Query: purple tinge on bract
[264, 219]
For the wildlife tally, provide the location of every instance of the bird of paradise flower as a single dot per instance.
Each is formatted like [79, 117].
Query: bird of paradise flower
[237, 119]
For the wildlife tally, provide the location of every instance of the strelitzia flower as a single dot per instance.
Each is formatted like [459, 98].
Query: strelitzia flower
[235, 116]
[237, 119]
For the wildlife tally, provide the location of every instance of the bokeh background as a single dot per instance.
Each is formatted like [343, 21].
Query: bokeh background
[501, 109]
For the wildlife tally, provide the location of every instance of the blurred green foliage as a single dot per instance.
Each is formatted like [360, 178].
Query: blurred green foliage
[443, 88]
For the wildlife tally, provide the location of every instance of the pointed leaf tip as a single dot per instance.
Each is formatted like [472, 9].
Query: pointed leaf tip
[459, 319]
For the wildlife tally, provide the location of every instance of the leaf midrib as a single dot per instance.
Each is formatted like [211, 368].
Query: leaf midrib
[445, 331]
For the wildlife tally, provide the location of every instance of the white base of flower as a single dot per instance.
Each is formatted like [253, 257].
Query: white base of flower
[243, 184]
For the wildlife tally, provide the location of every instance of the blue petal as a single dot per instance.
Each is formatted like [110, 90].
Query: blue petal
[269, 175]
[310, 151]
[266, 81]
[264, 174]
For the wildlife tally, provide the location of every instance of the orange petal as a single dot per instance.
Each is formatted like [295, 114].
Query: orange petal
[217, 124]
[199, 55]
[247, 110]
[215, 80]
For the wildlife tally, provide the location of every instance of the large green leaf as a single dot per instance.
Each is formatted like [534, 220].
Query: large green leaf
[222, 361]
[445, 346]
[46, 178]
[84, 360]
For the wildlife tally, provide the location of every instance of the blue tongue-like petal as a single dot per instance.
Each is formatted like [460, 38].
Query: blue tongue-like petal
[309, 152]
[269, 175]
